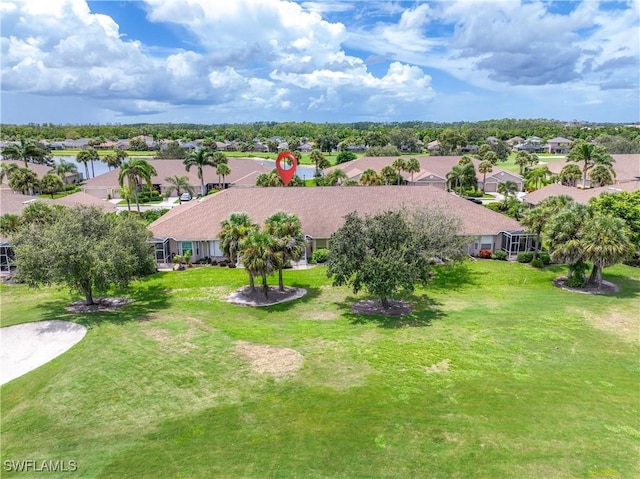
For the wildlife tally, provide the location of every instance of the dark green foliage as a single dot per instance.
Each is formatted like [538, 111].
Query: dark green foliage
[83, 248]
[345, 156]
[319, 256]
[545, 258]
[150, 216]
[392, 251]
[499, 255]
[624, 205]
[525, 257]
[537, 263]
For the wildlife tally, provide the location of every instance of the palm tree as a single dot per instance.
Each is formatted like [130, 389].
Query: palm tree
[234, 230]
[86, 156]
[336, 177]
[224, 170]
[507, 188]
[200, 159]
[570, 174]
[259, 256]
[7, 169]
[319, 160]
[413, 166]
[286, 229]
[462, 176]
[26, 151]
[126, 194]
[523, 159]
[465, 160]
[178, 183]
[369, 177]
[538, 177]
[23, 180]
[602, 174]
[399, 165]
[51, 184]
[606, 241]
[61, 169]
[589, 155]
[563, 236]
[135, 172]
[485, 167]
[491, 157]
[388, 175]
[111, 160]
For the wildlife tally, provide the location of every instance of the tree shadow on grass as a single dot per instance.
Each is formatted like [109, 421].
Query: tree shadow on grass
[312, 294]
[144, 302]
[425, 310]
[453, 277]
[629, 287]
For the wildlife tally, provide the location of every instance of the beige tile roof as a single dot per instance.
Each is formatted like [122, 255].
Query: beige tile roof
[241, 173]
[13, 203]
[320, 209]
[627, 167]
[436, 165]
[82, 198]
[578, 194]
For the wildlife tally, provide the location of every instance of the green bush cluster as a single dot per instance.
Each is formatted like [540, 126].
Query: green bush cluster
[537, 263]
[525, 257]
[321, 255]
[147, 196]
[500, 255]
[473, 193]
[545, 258]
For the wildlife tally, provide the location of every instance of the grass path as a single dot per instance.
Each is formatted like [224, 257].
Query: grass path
[496, 374]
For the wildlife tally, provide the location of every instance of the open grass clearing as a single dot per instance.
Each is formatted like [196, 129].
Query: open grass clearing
[495, 373]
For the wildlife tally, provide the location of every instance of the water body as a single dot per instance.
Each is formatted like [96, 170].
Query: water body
[304, 172]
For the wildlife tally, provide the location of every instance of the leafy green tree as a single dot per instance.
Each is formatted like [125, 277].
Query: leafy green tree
[624, 205]
[85, 249]
[51, 184]
[536, 218]
[136, 172]
[173, 151]
[391, 251]
[9, 224]
[200, 159]
[606, 241]
[413, 166]
[258, 253]
[345, 156]
[450, 139]
[27, 151]
[63, 167]
[286, 230]
[178, 184]
[23, 180]
[491, 157]
[370, 177]
[570, 174]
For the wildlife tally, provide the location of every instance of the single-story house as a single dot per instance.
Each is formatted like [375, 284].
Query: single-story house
[626, 167]
[433, 171]
[578, 194]
[244, 172]
[195, 226]
[41, 170]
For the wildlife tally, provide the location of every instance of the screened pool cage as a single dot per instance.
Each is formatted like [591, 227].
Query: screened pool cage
[514, 242]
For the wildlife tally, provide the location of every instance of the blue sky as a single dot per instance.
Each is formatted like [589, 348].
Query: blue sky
[236, 61]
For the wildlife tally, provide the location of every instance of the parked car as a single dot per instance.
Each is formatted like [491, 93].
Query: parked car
[185, 197]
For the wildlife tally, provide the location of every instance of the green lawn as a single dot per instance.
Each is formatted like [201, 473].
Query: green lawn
[510, 164]
[496, 374]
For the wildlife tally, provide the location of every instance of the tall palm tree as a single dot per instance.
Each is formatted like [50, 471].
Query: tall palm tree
[259, 256]
[606, 241]
[23, 180]
[51, 184]
[88, 156]
[7, 169]
[388, 175]
[61, 169]
[538, 177]
[126, 194]
[465, 160]
[413, 166]
[399, 165]
[491, 157]
[234, 230]
[222, 170]
[462, 176]
[200, 159]
[319, 160]
[26, 151]
[507, 188]
[178, 183]
[589, 155]
[286, 229]
[336, 177]
[485, 167]
[523, 159]
[370, 177]
[563, 237]
[136, 171]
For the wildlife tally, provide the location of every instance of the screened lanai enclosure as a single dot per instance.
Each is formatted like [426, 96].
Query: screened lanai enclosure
[514, 242]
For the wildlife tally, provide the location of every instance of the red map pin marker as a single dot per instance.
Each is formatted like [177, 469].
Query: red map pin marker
[286, 174]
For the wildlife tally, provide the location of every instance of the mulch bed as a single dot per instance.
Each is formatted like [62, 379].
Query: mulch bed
[100, 305]
[606, 288]
[371, 306]
[245, 297]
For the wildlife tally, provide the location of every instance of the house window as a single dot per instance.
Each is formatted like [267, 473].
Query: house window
[186, 245]
[486, 242]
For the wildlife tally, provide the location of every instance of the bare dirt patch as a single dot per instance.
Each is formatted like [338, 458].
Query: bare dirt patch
[439, 368]
[626, 326]
[100, 305]
[371, 306]
[606, 288]
[245, 297]
[274, 360]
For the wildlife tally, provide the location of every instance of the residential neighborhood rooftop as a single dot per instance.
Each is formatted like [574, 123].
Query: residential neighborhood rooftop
[578, 194]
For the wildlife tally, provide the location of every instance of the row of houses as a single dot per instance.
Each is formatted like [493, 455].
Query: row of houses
[532, 144]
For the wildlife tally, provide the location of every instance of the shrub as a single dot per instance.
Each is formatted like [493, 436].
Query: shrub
[484, 253]
[473, 193]
[576, 281]
[525, 257]
[321, 255]
[545, 258]
[537, 263]
[499, 255]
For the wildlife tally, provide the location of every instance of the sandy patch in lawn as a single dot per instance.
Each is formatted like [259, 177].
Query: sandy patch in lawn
[439, 368]
[245, 297]
[273, 360]
[626, 326]
[24, 347]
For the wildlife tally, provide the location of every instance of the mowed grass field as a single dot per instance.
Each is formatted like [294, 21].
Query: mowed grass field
[496, 374]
